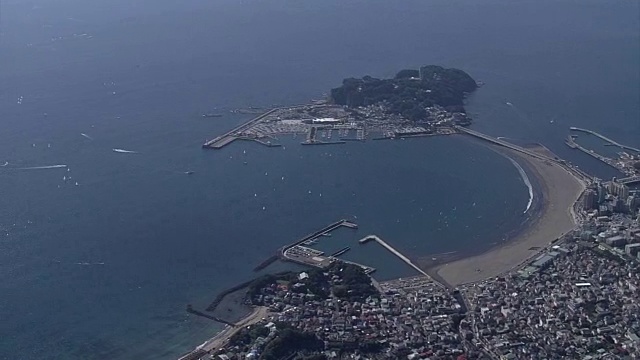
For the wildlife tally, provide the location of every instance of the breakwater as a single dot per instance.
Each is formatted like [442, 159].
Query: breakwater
[608, 140]
[191, 310]
[228, 137]
[266, 263]
[214, 304]
[394, 252]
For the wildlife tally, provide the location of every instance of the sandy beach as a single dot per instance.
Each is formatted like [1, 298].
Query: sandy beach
[560, 189]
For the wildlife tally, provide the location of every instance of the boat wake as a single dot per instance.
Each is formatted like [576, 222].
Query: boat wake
[86, 136]
[89, 264]
[43, 167]
[122, 151]
[526, 181]
[5, 164]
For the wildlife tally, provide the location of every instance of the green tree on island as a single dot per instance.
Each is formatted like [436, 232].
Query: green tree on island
[409, 92]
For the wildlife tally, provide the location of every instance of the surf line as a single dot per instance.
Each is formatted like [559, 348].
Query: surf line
[43, 167]
[526, 181]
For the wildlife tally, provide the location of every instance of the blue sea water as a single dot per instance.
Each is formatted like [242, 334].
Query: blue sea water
[104, 269]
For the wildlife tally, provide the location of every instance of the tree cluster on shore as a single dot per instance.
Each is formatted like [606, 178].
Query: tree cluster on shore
[339, 280]
[409, 92]
[350, 283]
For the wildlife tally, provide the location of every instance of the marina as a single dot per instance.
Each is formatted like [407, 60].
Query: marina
[624, 163]
[395, 252]
[304, 255]
[328, 124]
[608, 140]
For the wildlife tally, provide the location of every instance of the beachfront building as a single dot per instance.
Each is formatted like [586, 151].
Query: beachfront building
[583, 305]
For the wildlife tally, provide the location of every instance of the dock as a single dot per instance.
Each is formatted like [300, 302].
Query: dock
[300, 254]
[341, 251]
[367, 269]
[191, 310]
[231, 135]
[267, 143]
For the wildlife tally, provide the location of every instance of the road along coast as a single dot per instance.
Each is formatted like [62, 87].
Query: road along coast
[552, 217]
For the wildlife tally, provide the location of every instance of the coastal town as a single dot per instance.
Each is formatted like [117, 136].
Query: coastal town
[568, 289]
[576, 298]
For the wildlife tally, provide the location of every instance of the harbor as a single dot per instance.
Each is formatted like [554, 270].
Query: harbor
[395, 252]
[608, 140]
[625, 163]
[301, 253]
[321, 123]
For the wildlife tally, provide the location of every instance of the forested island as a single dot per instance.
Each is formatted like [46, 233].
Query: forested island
[410, 92]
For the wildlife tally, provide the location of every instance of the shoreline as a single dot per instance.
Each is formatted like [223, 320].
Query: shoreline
[219, 339]
[552, 216]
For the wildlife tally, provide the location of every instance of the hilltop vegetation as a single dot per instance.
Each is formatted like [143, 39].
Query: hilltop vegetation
[409, 92]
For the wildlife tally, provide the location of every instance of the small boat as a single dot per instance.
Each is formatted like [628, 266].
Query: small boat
[188, 172]
[211, 115]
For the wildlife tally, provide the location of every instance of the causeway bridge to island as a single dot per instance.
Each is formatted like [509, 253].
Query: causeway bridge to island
[574, 170]
[503, 143]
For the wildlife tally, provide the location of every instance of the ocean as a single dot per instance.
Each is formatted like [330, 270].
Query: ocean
[104, 269]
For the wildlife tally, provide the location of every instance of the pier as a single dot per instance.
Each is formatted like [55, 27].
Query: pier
[321, 232]
[367, 269]
[341, 251]
[608, 140]
[267, 143]
[395, 252]
[191, 310]
[300, 254]
[230, 136]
